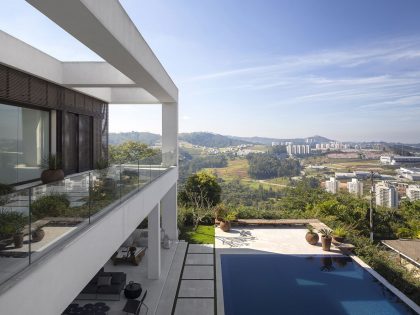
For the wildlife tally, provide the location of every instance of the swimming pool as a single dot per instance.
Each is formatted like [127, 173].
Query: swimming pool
[268, 284]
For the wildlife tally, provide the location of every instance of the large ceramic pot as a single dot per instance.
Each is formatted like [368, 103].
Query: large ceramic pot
[49, 176]
[338, 239]
[312, 238]
[224, 226]
[326, 243]
[38, 235]
[18, 240]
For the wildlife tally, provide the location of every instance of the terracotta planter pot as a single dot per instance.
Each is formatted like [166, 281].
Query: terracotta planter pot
[18, 240]
[312, 238]
[38, 235]
[326, 243]
[225, 226]
[49, 176]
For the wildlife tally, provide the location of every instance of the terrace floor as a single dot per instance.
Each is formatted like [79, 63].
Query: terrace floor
[160, 293]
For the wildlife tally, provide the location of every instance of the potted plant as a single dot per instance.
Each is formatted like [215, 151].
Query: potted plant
[339, 234]
[17, 223]
[37, 235]
[219, 212]
[326, 238]
[53, 171]
[311, 236]
[225, 222]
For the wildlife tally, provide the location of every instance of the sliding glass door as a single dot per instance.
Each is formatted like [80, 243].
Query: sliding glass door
[24, 143]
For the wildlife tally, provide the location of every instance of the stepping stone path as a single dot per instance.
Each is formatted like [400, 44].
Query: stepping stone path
[196, 290]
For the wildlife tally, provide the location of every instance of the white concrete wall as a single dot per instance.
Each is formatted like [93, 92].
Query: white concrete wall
[50, 284]
[19, 55]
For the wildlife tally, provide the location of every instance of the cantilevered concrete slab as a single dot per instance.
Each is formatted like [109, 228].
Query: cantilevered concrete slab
[105, 28]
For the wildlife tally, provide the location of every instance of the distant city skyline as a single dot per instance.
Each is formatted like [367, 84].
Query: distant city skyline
[281, 69]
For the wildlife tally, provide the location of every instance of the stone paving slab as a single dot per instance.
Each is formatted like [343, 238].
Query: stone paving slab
[200, 249]
[199, 259]
[194, 307]
[198, 272]
[196, 288]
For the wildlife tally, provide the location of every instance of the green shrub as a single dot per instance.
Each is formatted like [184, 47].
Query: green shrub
[11, 222]
[50, 206]
[403, 232]
[380, 260]
[5, 190]
[340, 231]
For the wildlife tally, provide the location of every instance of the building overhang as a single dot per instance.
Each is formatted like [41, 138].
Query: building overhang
[130, 74]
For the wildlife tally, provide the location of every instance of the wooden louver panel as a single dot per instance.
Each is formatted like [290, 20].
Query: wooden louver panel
[38, 92]
[18, 87]
[3, 82]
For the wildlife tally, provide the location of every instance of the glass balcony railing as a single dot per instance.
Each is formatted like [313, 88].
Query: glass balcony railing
[34, 220]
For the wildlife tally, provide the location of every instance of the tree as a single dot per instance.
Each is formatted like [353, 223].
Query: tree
[200, 194]
[131, 151]
[201, 189]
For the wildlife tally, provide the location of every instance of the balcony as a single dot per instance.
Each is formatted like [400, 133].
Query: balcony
[37, 220]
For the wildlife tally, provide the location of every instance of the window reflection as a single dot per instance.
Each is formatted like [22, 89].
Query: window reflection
[24, 141]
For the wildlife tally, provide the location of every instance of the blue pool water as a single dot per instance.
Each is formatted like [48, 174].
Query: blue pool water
[284, 284]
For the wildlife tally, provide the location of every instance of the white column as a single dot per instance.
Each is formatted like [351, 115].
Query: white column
[169, 211]
[170, 134]
[153, 240]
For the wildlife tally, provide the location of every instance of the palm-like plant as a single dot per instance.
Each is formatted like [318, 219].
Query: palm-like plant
[326, 233]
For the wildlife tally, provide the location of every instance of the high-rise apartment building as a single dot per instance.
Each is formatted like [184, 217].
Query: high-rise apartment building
[355, 187]
[413, 192]
[386, 195]
[332, 185]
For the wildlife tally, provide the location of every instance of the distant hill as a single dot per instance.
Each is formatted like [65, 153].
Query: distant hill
[268, 141]
[211, 140]
[144, 137]
[207, 139]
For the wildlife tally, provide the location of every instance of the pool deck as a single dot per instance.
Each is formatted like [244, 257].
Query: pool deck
[277, 240]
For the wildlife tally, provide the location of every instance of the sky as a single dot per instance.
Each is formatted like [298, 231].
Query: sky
[346, 70]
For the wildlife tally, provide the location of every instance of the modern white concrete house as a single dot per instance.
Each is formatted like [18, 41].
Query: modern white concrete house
[129, 74]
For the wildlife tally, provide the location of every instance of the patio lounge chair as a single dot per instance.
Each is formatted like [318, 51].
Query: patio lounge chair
[134, 306]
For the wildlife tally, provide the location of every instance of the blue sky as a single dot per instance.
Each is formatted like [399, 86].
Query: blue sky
[347, 70]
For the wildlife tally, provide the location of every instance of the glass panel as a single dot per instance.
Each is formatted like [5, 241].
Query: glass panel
[8, 143]
[14, 233]
[33, 142]
[56, 209]
[129, 177]
[104, 188]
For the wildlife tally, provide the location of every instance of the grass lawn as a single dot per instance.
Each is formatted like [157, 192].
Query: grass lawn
[203, 235]
[236, 169]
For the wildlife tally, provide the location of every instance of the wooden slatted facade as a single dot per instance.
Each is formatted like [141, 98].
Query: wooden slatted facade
[21, 89]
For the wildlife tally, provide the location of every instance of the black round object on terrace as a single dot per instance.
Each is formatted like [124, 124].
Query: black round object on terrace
[132, 290]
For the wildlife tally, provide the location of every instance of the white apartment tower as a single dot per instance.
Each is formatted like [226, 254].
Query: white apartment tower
[386, 195]
[332, 185]
[413, 192]
[355, 187]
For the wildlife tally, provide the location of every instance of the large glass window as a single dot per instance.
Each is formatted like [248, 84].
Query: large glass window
[24, 143]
